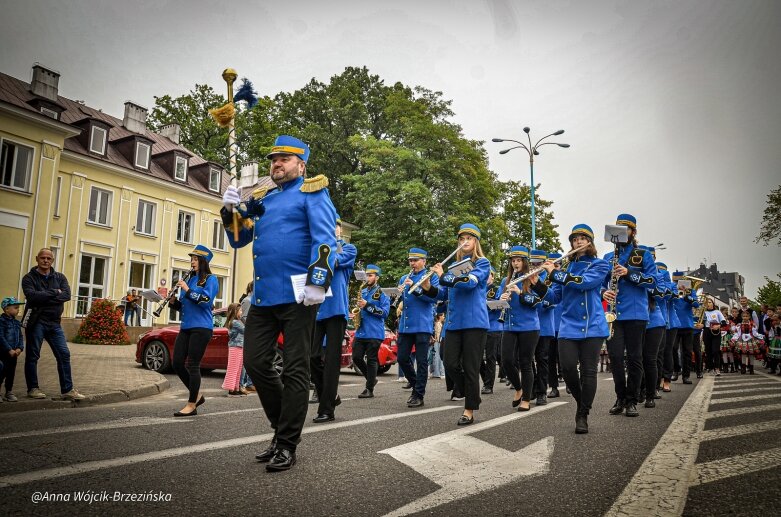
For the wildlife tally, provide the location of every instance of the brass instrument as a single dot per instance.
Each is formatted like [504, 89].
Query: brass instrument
[540, 269]
[398, 302]
[430, 273]
[172, 294]
[356, 311]
[617, 234]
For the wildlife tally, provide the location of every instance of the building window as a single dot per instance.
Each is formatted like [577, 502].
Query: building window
[219, 300]
[92, 282]
[50, 113]
[142, 155]
[56, 255]
[214, 180]
[57, 197]
[145, 221]
[218, 235]
[97, 141]
[16, 164]
[184, 227]
[180, 171]
[99, 206]
[173, 315]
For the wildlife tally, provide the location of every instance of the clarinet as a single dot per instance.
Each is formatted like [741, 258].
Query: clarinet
[504, 309]
[171, 295]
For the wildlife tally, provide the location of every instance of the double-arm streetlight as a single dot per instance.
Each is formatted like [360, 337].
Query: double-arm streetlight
[532, 150]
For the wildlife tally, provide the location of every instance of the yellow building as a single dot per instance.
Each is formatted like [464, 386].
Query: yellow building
[119, 205]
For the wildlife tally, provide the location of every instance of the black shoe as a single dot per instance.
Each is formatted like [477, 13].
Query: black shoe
[554, 393]
[315, 399]
[366, 394]
[415, 402]
[699, 376]
[337, 400]
[466, 420]
[657, 395]
[687, 380]
[407, 386]
[650, 403]
[674, 377]
[320, 418]
[486, 390]
[617, 408]
[191, 413]
[502, 379]
[456, 396]
[200, 401]
[569, 392]
[265, 456]
[507, 383]
[641, 399]
[517, 403]
[527, 408]
[581, 423]
[542, 400]
[282, 460]
[631, 409]
[410, 398]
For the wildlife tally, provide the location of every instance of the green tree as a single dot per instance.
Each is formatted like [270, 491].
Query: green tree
[770, 293]
[517, 217]
[771, 219]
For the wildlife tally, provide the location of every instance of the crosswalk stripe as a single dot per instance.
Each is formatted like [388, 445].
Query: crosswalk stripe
[744, 399]
[744, 378]
[116, 424]
[735, 466]
[753, 389]
[740, 430]
[742, 410]
[734, 385]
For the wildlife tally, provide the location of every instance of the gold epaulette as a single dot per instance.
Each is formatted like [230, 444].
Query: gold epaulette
[315, 184]
[260, 193]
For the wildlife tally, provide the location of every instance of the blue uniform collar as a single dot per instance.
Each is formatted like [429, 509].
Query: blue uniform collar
[292, 183]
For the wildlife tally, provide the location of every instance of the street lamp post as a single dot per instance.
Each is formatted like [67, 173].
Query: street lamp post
[532, 150]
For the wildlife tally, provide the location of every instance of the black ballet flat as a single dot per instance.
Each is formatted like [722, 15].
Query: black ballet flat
[200, 401]
[465, 420]
[517, 403]
[521, 408]
[191, 413]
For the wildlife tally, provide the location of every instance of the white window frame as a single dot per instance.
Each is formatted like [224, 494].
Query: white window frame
[176, 168]
[50, 113]
[179, 224]
[57, 197]
[145, 163]
[219, 240]
[141, 218]
[214, 172]
[109, 206]
[219, 298]
[90, 286]
[29, 171]
[102, 141]
[176, 274]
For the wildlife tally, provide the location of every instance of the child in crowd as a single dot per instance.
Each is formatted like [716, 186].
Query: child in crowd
[11, 345]
[235, 327]
[747, 340]
[774, 348]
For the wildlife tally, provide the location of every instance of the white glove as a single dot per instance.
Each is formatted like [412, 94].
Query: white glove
[312, 295]
[231, 197]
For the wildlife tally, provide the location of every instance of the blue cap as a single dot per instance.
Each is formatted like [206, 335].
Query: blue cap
[417, 253]
[519, 251]
[677, 275]
[202, 251]
[662, 266]
[285, 144]
[554, 256]
[538, 255]
[470, 229]
[582, 229]
[371, 268]
[10, 300]
[627, 220]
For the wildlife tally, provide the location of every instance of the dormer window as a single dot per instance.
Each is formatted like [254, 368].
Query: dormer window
[214, 180]
[180, 168]
[142, 155]
[50, 113]
[97, 140]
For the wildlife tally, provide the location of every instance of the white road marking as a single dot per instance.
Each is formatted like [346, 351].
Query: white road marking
[740, 430]
[463, 465]
[747, 398]
[736, 466]
[742, 410]
[741, 384]
[116, 424]
[753, 389]
[660, 486]
[91, 466]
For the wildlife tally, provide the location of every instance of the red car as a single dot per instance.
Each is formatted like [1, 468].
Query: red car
[386, 355]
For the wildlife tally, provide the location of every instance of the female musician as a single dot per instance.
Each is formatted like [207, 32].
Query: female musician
[713, 319]
[583, 324]
[521, 328]
[467, 318]
[196, 298]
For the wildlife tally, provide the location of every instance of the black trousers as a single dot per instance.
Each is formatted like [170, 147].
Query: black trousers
[520, 345]
[553, 363]
[493, 341]
[465, 348]
[685, 342]
[651, 344]
[500, 368]
[541, 361]
[284, 397]
[8, 371]
[449, 384]
[368, 368]
[583, 352]
[189, 348]
[627, 337]
[712, 348]
[669, 353]
[325, 363]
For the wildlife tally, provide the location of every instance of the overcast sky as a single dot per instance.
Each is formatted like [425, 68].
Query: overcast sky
[672, 108]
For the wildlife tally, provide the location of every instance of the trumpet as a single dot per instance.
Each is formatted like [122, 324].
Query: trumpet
[171, 295]
[430, 273]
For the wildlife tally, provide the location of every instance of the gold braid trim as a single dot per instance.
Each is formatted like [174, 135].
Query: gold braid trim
[247, 223]
[223, 115]
[260, 193]
[315, 184]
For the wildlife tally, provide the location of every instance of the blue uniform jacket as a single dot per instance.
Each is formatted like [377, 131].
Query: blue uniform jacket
[494, 325]
[10, 333]
[339, 303]
[373, 314]
[522, 314]
[670, 291]
[657, 315]
[197, 303]
[632, 301]
[466, 295]
[546, 314]
[683, 308]
[294, 236]
[578, 292]
[418, 312]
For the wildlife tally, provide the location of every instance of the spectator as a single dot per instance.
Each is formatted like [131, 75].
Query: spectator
[137, 306]
[46, 291]
[11, 345]
[130, 302]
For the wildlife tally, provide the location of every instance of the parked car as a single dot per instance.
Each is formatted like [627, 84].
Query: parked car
[386, 355]
[155, 348]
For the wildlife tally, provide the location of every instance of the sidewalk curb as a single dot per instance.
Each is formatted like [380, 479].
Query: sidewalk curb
[95, 399]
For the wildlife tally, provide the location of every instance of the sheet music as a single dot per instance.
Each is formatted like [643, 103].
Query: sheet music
[299, 282]
[497, 304]
[390, 292]
[151, 295]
